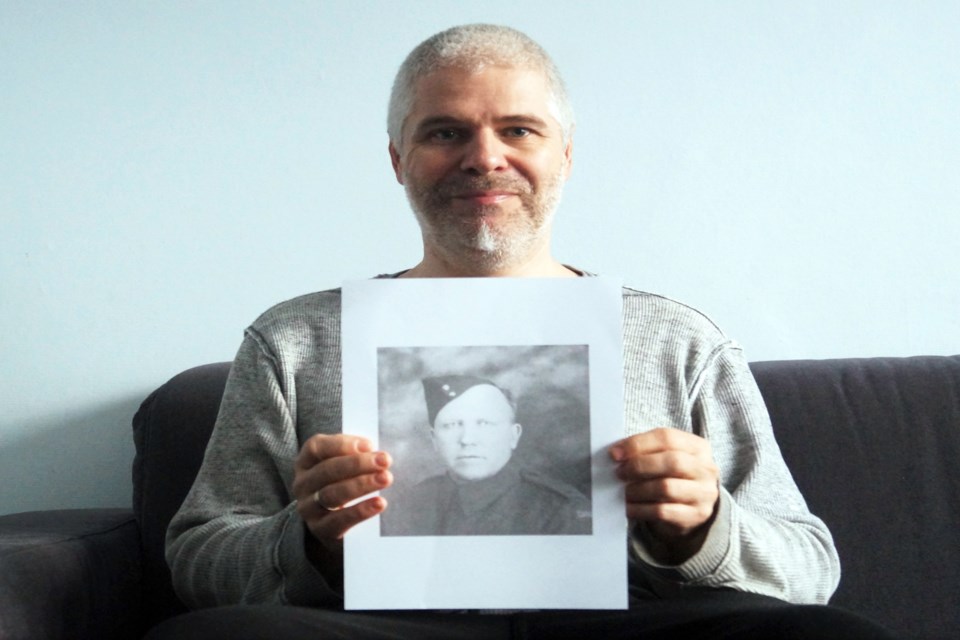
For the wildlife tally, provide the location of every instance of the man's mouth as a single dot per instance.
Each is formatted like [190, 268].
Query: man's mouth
[485, 198]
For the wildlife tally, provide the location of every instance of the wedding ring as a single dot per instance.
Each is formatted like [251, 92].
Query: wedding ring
[316, 499]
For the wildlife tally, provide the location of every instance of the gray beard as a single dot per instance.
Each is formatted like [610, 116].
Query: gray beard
[476, 246]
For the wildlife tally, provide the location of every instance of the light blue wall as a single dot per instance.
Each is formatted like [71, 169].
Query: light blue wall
[169, 170]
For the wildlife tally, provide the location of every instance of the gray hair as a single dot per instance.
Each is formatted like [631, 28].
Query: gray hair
[474, 47]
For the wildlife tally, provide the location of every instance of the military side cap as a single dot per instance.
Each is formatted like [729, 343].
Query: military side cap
[442, 390]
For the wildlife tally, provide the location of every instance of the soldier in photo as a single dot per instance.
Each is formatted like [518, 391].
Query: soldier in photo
[485, 490]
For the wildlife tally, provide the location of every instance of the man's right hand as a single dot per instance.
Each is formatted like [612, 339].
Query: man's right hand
[332, 471]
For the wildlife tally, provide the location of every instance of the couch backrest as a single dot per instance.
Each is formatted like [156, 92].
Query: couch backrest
[170, 431]
[874, 445]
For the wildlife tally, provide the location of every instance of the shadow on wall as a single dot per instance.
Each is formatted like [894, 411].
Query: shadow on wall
[78, 462]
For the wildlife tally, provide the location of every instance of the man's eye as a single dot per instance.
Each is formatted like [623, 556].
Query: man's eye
[444, 135]
[518, 132]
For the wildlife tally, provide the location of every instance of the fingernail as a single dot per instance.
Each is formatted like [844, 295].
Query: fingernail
[381, 459]
[616, 453]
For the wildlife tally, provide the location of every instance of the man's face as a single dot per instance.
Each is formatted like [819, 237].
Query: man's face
[476, 433]
[483, 163]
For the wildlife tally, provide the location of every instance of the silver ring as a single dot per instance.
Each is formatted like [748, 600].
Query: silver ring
[316, 500]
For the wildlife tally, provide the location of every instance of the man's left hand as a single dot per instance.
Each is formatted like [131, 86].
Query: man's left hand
[672, 489]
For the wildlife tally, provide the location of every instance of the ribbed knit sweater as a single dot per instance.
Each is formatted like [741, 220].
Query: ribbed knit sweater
[238, 537]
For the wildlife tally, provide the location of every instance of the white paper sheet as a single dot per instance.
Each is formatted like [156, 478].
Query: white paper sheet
[556, 345]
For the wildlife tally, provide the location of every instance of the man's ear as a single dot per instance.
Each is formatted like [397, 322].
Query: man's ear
[395, 161]
[518, 431]
[568, 157]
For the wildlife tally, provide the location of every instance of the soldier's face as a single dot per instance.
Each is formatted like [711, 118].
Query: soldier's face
[476, 433]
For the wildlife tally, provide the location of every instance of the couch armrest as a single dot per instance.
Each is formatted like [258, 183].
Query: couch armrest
[69, 574]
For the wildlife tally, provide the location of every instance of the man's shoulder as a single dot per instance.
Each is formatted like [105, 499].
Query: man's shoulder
[551, 488]
[434, 482]
[651, 313]
[420, 498]
[430, 489]
[312, 308]
[556, 507]
[655, 305]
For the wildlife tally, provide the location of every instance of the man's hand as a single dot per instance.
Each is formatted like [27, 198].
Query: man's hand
[329, 472]
[672, 489]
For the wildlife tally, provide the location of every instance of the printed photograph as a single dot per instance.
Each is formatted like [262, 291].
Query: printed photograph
[486, 440]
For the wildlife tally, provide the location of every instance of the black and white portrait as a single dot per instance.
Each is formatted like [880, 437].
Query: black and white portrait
[491, 440]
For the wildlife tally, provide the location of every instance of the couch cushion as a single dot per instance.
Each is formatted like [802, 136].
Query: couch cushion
[70, 574]
[874, 445]
[170, 431]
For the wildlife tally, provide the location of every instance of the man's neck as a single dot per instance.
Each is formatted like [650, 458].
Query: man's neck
[538, 266]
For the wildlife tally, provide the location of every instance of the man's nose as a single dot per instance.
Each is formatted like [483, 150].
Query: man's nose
[484, 153]
[468, 434]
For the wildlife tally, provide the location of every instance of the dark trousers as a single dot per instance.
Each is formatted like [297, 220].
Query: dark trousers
[696, 613]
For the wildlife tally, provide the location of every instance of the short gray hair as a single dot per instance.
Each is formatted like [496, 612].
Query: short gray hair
[473, 47]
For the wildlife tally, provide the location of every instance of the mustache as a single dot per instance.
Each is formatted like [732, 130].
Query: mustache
[457, 184]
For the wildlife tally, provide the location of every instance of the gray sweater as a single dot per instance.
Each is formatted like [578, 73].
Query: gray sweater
[238, 538]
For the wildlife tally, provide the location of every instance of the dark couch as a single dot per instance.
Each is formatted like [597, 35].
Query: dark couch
[873, 443]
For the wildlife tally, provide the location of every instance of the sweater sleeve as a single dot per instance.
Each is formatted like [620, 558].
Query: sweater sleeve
[763, 539]
[237, 538]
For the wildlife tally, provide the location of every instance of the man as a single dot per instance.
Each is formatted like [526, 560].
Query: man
[720, 540]
[475, 432]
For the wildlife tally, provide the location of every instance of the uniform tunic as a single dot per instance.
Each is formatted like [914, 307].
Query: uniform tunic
[513, 501]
